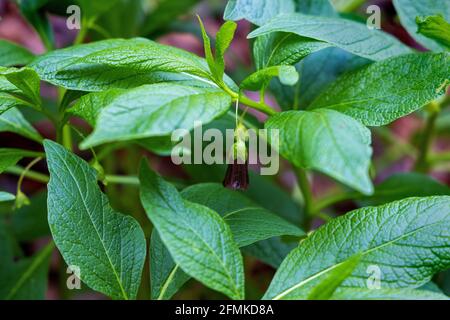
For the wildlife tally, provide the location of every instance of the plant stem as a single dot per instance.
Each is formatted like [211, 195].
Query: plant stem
[67, 137]
[32, 175]
[128, 180]
[422, 163]
[305, 188]
[40, 177]
[260, 106]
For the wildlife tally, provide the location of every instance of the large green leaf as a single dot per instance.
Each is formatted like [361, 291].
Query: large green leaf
[248, 222]
[90, 77]
[23, 278]
[9, 157]
[345, 34]
[197, 238]
[409, 10]
[13, 55]
[257, 11]
[407, 240]
[327, 141]
[108, 247]
[156, 110]
[403, 85]
[13, 121]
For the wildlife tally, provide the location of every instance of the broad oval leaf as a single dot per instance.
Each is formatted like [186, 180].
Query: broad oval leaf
[156, 110]
[327, 141]
[345, 34]
[403, 85]
[197, 238]
[92, 77]
[409, 10]
[407, 240]
[108, 247]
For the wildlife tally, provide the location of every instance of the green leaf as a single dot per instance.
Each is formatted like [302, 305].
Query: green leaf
[347, 5]
[327, 141]
[325, 289]
[165, 275]
[351, 36]
[164, 14]
[26, 80]
[139, 57]
[209, 253]
[316, 7]
[207, 49]
[404, 185]
[271, 251]
[249, 223]
[156, 110]
[282, 48]
[9, 157]
[256, 11]
[93, 9]
[32, 10]
[12, 54]
[386, 294]
[317, 72]
[108, 247]
[409, 10]
[13, 121]
[436, 28]
[48, 66]
[407, 240]
[403, 85]
[5, 197]
[223, 41]
[288, 75]
[24, 278]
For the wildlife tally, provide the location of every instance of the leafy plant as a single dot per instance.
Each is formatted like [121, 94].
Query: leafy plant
[133, 233]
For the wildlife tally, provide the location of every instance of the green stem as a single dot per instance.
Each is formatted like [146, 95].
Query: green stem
[260, 106]
[422, 163]
[32, 175]
[128, 180]
[67, 137]
[305, 188]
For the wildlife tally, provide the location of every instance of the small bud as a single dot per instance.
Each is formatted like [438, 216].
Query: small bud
[21, 200]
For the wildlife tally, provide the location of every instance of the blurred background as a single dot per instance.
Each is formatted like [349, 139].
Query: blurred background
[174, 23]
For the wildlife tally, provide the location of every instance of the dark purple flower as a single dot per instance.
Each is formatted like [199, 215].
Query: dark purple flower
[236, 177]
